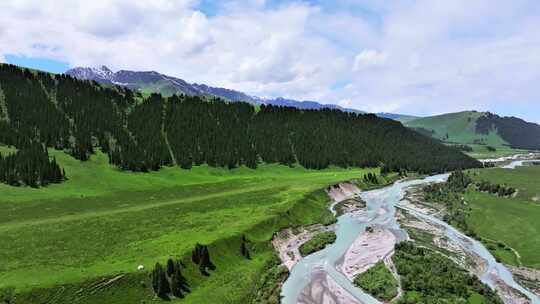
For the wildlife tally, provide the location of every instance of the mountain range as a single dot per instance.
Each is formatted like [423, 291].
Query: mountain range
[154, 82]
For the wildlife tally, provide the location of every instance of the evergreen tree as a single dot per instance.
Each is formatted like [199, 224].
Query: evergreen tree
[160, 283]
[144, 134]
[171, 267]
[201, 256]
[244, 251]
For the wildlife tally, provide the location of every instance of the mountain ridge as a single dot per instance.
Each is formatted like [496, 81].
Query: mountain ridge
[152, 81]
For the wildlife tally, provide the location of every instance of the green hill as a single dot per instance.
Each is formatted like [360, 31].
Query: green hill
[483, 132]
[457, 128]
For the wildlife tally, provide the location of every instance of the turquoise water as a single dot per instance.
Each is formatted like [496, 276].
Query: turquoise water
[350, 227]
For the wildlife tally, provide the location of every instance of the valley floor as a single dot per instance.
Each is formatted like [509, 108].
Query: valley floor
[507, 226]
[71, 242]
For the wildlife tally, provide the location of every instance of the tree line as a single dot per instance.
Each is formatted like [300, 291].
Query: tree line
[517, 132]
[450, 193]
[429, 277]
[497, 189]
[30, 166]
[144, 134]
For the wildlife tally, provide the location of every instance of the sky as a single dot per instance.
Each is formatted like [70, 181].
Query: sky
[420, 57]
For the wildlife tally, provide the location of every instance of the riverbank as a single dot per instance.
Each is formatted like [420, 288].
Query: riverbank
[371, 247]
[509, 225]
[322, 287]
[423, 228]
[287, 242]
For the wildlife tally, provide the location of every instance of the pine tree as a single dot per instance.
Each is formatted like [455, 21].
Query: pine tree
[244, 251]
[191, 130]
[176, 288]
[171, 267]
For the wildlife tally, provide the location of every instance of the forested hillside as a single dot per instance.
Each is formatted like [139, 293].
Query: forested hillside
[517, 132]
[480, 131]
[142, 134]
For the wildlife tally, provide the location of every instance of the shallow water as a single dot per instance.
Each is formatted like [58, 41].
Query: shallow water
[519, 163]
[349, 228]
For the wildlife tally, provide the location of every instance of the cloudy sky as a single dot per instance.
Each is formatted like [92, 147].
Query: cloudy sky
[416, 57]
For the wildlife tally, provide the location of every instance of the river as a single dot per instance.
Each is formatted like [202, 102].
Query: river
[381, 208]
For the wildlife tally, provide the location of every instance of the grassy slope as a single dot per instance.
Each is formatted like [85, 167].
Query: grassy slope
[481, 152]
[7, 149]
[460, 128]
[104, 221]
[406, 118]
[163, 87]
[513, 221]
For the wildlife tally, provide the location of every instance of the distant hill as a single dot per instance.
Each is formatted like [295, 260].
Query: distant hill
[307, 105]
[399, 117]
[479, 128]
[153, 82]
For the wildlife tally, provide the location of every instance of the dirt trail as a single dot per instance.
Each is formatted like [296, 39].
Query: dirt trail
[85, 215]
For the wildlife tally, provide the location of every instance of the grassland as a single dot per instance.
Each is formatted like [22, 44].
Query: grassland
[512, 222]
[482, 151]
[457, 128]
[65, 242]
[460, 128]
[6, 149]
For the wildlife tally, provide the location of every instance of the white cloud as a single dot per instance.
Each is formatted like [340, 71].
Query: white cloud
[450, 56]
[415, 56]
[368, 58]
[266, 51]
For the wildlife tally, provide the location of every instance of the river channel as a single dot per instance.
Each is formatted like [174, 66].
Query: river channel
[323, 266]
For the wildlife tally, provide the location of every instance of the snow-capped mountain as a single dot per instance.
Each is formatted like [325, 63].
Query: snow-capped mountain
[151, 81]
[100, 74]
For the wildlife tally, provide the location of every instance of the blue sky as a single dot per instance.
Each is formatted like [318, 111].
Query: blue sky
[418, 57]
[44, 64]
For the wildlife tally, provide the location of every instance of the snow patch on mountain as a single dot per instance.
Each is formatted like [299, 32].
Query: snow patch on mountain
[168, 85]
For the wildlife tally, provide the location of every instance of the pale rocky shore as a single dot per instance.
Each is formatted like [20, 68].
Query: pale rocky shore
[369, 248]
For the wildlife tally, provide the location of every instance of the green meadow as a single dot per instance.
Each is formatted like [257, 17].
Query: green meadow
[456, 128]
[68, 242]
[510, 221]
[482, 151]
[460, 128]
